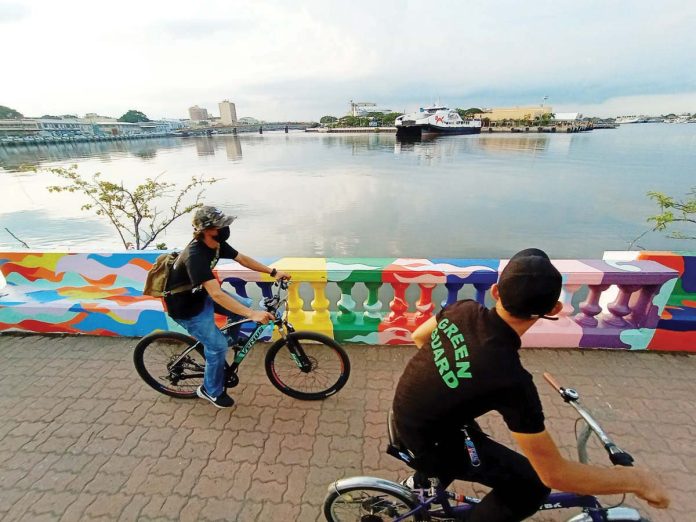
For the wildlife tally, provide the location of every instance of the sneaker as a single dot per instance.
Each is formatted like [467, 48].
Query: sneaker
[221, 401]
[410, 482]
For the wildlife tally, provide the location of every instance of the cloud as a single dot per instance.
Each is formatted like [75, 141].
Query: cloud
[301, 60]
[12, 12]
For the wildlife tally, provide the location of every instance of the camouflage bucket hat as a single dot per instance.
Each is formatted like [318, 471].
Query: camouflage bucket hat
[210, 217]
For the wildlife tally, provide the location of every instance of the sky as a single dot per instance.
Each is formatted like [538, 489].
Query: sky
[299, 60]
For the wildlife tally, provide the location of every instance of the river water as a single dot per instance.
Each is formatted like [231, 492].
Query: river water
[358, 195]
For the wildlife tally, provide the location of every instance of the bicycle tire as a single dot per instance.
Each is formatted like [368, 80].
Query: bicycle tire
[363, 498]
[330, 366]
[156, 373]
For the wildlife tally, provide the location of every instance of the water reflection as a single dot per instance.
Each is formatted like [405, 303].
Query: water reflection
[205, 146]
[12, 158]
[233, 147]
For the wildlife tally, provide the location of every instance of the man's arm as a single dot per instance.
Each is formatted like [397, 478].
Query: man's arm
[422, 334]
[220, 297]
[256, 266]
[565, 475]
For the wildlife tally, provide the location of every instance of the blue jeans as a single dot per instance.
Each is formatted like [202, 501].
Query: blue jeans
[203, 328]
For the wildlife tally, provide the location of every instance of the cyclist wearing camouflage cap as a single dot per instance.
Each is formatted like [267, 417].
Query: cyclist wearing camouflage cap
[194, 309]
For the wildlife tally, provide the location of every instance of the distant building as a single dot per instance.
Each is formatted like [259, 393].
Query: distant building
[248, 120]
[228, 113]
[197, 113]
[567, 116]
[93, 117]
[515, 113]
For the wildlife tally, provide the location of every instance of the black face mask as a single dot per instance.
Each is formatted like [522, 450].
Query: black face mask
[223, 234]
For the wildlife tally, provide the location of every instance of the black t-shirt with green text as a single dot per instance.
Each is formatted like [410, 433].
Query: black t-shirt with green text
[194, 266]
[469, 366]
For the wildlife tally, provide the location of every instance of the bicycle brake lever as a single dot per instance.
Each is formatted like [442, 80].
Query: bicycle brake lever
[619, 457]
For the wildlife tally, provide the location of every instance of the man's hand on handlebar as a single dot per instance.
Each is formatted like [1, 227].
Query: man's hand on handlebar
[282, 275]
[261, 316]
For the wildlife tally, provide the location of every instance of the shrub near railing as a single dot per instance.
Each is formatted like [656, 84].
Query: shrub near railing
[642, 287]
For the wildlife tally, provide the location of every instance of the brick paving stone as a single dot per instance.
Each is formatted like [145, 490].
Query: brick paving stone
[110, 448]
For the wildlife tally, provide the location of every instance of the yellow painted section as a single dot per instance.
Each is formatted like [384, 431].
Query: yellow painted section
[306, 269]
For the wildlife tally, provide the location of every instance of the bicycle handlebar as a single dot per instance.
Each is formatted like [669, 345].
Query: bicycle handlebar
[617, 456]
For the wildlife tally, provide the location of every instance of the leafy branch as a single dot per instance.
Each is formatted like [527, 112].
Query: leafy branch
[674, 211]
[132, 212]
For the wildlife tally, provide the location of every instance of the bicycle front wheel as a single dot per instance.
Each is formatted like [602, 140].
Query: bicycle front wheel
[307, 365]
[159, 362]
[369, 503]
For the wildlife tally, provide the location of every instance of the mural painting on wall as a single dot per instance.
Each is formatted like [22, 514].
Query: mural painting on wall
[100, 294]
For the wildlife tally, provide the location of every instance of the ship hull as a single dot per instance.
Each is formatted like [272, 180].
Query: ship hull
[416, 131]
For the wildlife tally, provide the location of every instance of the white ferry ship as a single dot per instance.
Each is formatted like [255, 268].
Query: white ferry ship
[631, 119]
[434, 120]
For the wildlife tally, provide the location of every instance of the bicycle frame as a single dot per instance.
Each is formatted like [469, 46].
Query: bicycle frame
[274, 304]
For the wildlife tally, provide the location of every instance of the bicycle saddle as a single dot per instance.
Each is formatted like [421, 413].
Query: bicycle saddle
[396, 447]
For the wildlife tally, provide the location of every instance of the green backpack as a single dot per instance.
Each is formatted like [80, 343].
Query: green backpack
[157, 276]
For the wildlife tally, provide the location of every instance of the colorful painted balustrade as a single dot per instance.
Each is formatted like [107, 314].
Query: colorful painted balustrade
[99, 293]
[79, 293]
[676, 327]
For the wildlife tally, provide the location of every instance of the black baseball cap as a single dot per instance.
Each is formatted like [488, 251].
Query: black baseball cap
[530, 285]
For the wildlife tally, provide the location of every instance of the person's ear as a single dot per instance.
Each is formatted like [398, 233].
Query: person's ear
[495, 293]
[557, 308]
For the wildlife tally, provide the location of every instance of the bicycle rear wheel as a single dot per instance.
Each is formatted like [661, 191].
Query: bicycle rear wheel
[307, 366]
[368, 503]
[156, 358]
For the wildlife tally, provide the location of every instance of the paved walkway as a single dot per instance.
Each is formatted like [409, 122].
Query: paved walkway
[82, 438]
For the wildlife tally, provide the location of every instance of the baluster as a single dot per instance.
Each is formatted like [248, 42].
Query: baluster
[372, 305]
[425, 304]
[566, 297]
[590, 307]
[320, 304]
[481, 289]
[239, 286]
[295, 303]
[619, 308]
[398, 305]
[266, 291]
[346, 305]
[640, 314]
[452, 293]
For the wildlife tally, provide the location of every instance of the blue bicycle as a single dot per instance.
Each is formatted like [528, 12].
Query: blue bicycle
[369, 499]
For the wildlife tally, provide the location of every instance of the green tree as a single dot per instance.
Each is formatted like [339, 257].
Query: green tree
[469, 113]
[674, 211]
[9, 114]
[328, 119]
[133, 211]
[133, 116]
[388, 119]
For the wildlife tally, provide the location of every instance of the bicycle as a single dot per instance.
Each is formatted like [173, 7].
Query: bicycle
[311, 367]
[370, 499]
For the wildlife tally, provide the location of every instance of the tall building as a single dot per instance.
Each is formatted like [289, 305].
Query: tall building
[228, 113]
[197, 113]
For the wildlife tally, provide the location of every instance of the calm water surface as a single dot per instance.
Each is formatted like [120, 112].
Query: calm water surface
[299, 194]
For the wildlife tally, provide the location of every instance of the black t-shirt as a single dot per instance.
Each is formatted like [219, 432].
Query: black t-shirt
[194, 266]
[470, 366]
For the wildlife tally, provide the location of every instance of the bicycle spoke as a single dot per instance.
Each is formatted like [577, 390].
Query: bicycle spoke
[185, 376]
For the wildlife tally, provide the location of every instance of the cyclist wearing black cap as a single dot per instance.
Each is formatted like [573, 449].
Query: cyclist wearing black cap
[469, 365]
[196, 296]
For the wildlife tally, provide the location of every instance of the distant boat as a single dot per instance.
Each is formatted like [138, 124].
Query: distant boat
[434, 120]
[630, 119]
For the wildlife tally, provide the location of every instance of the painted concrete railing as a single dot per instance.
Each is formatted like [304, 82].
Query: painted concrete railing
[100, 294]
[676, 327]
